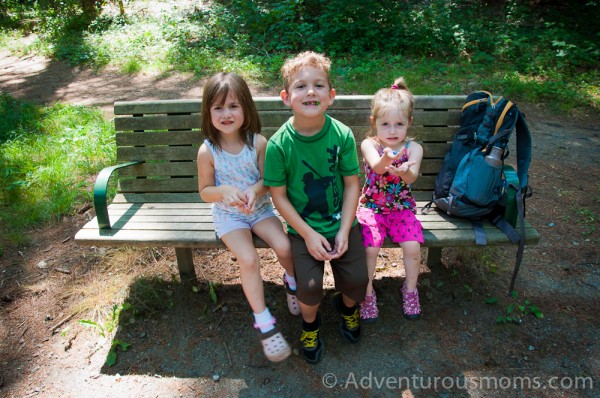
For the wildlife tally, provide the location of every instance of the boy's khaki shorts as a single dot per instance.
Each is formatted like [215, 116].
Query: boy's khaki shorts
[349, 271]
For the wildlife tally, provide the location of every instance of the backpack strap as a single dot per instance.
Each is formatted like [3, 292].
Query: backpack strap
[520, 205]
[480, 238]
[523, 150]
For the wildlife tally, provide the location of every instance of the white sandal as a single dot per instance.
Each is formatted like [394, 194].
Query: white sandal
[275, 347]
[292, 300]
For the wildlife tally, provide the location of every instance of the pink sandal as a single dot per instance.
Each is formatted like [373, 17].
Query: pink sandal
[369, 312]
[275, 347]
[411, 307]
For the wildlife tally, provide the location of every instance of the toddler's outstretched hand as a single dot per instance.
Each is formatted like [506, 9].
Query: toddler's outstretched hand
[391, 154]
[403, 169]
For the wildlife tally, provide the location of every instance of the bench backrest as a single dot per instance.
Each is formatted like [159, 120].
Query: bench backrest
[166, 136]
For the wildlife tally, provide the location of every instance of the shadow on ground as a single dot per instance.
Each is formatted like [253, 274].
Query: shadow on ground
[455, 348]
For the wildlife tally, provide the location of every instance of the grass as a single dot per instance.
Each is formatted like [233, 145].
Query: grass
[47, 157]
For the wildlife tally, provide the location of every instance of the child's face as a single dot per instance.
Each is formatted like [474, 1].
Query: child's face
[229, 117]
[392, 127]
[309, 94]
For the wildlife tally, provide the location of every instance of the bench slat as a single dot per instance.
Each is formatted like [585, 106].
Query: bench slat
[159, 138]
[161, 169]
[155, 198]
[151, 153]
[157, 106]
[163, 185]
[158, 122]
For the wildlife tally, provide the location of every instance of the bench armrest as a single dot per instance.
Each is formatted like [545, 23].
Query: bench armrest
[100, 189]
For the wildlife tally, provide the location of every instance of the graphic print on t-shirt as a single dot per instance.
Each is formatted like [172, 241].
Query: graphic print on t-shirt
[316, 186]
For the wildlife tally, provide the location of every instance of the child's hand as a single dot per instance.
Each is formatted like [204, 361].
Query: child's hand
[341, 246]
[402, 170]
[392, 155]
[232, 196]
[319, 247]
[250, 201]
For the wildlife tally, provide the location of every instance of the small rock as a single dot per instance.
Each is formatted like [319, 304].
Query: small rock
[551, 224]
[42, 264]
[216, 377]
[531, 348]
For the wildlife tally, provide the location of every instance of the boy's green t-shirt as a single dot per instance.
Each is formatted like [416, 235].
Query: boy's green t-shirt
[312, 169]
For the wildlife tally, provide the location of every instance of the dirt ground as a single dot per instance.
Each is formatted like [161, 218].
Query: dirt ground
[182, 344]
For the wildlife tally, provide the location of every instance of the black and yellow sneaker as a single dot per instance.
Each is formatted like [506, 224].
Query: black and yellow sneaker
[350, 320]
[312, 345]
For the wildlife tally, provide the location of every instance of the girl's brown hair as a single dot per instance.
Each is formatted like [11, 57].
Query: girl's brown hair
[215, 93]
[397, 96]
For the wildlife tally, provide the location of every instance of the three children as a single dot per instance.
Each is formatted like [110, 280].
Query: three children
[310, 167]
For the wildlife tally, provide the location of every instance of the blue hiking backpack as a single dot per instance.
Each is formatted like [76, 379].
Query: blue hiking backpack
[474, 183]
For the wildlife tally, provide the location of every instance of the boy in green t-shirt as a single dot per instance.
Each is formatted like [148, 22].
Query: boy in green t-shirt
[311, 167]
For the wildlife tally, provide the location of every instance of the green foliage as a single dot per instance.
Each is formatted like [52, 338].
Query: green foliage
[47, 155]
[546, 53]
[516, 312]
[107, 328]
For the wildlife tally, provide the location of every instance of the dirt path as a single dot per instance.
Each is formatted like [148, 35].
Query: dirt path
[195, 348]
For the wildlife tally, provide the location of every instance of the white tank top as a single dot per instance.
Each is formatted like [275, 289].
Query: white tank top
[239, 170]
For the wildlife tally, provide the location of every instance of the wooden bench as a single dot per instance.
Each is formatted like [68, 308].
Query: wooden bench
[157, 202]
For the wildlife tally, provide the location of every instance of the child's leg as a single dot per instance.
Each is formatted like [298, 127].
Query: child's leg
[240, 243]
[412, 258]
[271, 231]
[371, 265]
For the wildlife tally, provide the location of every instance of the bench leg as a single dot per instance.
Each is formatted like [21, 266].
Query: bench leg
[434, 257]
[185, 262]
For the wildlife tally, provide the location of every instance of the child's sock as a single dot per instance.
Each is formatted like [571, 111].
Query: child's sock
[346, 310]
[264, 321]
[312, 326]
[291, 281]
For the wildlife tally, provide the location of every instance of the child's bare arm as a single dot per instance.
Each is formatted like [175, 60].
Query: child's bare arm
[258, 189]
[370, 152]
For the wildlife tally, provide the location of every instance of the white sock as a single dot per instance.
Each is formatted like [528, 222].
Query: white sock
[291, 281]
[264, 319]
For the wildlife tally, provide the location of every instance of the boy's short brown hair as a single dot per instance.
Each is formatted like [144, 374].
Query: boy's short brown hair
[304, 59]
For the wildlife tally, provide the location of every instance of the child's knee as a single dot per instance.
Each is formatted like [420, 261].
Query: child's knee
[411, 252]
[312, 290]
[283, 249]
[249, 262]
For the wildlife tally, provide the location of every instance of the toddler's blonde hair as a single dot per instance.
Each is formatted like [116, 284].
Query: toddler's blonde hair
[397, 96]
